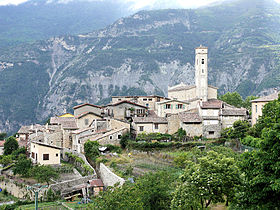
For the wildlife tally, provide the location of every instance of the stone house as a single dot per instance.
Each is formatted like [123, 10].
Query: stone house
[257, 105]
[149, 125]
[172, 106]
[191, 123]
[85, 108]
[2, 147]
[125, 110]
[85, 119]
[44, 154]
[148, 101]
[230, 114]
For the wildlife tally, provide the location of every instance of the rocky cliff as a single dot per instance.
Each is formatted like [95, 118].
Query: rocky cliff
[142, 54]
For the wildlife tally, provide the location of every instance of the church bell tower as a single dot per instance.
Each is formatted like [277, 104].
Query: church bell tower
[201, 73]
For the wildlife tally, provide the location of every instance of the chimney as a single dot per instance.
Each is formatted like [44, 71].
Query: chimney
[275, 90]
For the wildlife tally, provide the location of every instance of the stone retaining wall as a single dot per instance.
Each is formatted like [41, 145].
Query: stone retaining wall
[108, 177]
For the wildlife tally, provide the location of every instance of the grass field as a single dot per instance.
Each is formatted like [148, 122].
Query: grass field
[44, 206]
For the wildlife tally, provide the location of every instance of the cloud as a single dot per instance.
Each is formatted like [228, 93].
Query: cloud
[137, 4]
[13, 2]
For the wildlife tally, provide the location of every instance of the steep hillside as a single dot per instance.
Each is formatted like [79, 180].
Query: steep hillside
[42, 19]
[142, 54]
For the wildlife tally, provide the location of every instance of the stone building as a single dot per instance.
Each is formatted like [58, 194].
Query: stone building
[44, 154]
[148, 101]
[172, 106]
[150, 125]
[257, 105]
[125, 110]
[195, 108]
[201, 90]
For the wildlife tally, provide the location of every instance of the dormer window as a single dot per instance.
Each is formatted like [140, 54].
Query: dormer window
[202, 61]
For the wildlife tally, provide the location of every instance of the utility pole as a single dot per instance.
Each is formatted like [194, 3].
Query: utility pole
[36, 188]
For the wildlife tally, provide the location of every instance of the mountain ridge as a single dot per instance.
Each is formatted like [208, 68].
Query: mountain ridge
[141, 54]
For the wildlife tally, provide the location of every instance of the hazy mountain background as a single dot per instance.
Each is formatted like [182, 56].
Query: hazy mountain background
[142, 54]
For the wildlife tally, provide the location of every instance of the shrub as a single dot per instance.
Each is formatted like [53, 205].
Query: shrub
[113, 148]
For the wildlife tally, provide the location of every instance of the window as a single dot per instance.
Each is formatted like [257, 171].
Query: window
[158, 99]
[150, 99]
[202, 61]
[56, 154]
[256, 108]
[79, 141]
[33, 155]
[167, 106]
[211, 132]
[202, 71]
[180, 106]
[156, 126]
[119, 99]
[86, 121]
[111, 137]
[147, 105]
[144, 99]
[141, 128]
[46, 157]
[119, 136]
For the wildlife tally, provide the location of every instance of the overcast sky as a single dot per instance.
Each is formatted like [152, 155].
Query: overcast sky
[138, 4]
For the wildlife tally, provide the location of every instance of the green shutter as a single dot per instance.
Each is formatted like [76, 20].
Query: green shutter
[183, 106]
[176, 106]
[171, 106]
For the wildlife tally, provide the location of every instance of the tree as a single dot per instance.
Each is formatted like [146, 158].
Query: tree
[124, 140]
[232, 98]
[261, 187]
[151, 191]
[6, 160]
[2, 136]
[19, 153]
[261, 168]
[92, 149]
[23, 167]
[10, 145]
[44, 173]
[270, 116]
[212, 179]
[239, 130]
[247, 102]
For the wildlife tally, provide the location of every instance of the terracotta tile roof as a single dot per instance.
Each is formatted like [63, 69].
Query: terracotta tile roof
[160, 120]
[189, 117]
[2, 143]
[46, 145]
[234, 112]
[268, 98]
[211, 86]
[86, 104]
[212, 104]
[30, 128]
[66, 122]
[86, 113]
[128, 102]
[201, 47]
[171, 100]
[151, 96]
[180, 87]
[24, 130]
[96, 183]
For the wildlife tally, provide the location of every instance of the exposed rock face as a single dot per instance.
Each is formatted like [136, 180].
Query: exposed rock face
[142, 54]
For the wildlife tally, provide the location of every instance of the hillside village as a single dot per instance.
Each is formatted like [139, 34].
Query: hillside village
[195, 109]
